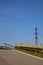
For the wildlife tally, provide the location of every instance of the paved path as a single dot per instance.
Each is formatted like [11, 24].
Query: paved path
[11, 57]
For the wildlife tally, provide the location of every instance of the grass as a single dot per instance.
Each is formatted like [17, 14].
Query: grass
[35, 53]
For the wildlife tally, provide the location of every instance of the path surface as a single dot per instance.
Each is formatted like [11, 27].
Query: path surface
[11, 57]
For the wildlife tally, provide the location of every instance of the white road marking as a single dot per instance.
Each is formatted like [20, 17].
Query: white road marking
[29, 55]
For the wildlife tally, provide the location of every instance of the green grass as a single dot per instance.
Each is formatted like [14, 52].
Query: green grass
[35, 53]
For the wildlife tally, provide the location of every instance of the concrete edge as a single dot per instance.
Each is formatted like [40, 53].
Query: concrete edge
[29, 55]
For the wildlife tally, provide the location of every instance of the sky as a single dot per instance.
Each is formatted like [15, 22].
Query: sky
[18, 19]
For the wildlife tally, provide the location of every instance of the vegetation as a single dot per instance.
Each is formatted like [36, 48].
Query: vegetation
[35, 53]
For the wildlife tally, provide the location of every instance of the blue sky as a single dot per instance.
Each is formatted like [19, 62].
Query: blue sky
[18, 19]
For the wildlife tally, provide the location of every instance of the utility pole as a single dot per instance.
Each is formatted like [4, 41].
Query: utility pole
[36, 36]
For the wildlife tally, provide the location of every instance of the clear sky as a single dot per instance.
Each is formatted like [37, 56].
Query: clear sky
[18, 19]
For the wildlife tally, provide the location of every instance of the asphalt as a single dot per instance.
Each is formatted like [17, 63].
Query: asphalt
[11, 57]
